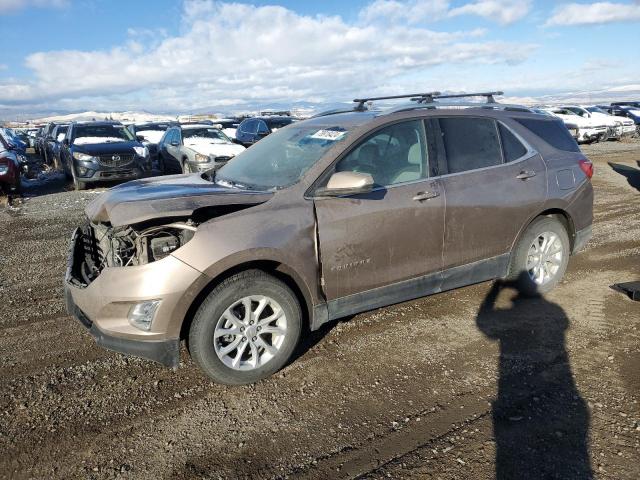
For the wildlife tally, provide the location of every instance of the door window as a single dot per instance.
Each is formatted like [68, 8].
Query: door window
[249, 126]
[392, 155]
[470, 143]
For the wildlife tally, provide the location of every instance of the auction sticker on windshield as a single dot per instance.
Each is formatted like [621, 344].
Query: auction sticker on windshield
[332, 135]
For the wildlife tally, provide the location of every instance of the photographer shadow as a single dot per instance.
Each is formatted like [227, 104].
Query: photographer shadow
[540, 421]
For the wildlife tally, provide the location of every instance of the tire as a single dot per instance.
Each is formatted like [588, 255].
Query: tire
[524, 255]
[207, 350]
[78, 184]
[186, 168]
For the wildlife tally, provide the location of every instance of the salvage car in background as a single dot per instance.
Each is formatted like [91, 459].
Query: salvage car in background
[52, 144]
[589, 130]
[150, 134]
[617, 127]
[627, 111]
[102, 151]
[254, 129]
[195, 147]
[228, 125]
[332, 216]
[10, 180]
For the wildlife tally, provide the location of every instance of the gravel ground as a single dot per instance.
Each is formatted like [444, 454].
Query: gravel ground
[474, 383]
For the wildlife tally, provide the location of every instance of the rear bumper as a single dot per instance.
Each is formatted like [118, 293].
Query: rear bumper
[581, 239]
[165, 352]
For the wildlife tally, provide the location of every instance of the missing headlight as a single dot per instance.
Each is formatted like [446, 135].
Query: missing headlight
[163, 245]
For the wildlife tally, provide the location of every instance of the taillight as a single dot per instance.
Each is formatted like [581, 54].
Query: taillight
[587, 167]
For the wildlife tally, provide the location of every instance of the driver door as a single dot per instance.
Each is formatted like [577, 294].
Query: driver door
[384, 246]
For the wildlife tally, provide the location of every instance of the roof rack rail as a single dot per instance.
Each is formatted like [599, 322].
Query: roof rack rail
[362, 101]
[437, 96]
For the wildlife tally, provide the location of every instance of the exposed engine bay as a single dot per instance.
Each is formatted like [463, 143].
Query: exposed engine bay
[97, 246]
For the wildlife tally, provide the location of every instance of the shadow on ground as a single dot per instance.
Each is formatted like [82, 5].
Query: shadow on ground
[540, 421]
[632, 174]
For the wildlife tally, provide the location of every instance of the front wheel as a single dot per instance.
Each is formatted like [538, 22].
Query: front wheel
[540, 257]
[246, 329]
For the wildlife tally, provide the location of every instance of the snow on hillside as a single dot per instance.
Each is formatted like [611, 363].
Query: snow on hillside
[118, 116]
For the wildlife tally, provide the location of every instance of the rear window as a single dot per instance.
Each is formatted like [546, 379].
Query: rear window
[513, 148]
[551, 131]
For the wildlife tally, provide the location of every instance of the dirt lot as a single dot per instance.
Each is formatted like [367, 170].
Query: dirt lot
[454, 386]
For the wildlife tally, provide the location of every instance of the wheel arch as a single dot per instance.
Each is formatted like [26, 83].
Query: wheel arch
[556, 212]
[275, 268]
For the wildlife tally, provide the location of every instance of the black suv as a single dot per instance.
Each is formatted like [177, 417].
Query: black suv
[102, 151]
[253, 129]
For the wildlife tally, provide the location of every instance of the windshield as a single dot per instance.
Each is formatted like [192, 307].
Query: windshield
[101, 134]
[281, 158]
[278, 122]
[152, 127]
[597, 110]
[204, 133]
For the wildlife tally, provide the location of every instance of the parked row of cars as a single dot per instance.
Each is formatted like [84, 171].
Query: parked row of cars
[97, 151]
[595, 123]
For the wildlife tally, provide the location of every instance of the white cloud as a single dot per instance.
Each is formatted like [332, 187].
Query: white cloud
[7, 6]
[594, 13]
[501, 11]
[414, 11]
[231, 53]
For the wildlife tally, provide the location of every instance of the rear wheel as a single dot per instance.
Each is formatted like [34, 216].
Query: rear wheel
[540, 257]
[246, 329]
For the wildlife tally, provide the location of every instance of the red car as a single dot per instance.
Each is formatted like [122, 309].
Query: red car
[9, 169]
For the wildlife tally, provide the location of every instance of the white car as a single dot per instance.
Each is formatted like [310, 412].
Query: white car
[195, 148]
[589, 130]
[617, 126]
[627, 125]
[228, 126]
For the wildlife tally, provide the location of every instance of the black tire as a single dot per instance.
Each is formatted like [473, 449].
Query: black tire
[78, 184]
[518, 272]
[201, 332]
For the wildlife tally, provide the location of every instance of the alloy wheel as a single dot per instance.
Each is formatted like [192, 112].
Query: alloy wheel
[544, 258]
[250, 332]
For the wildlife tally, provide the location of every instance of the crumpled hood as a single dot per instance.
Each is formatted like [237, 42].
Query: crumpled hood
[160, 197]
[216, 149]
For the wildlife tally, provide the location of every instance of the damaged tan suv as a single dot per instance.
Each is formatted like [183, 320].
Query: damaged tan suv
[342, 213]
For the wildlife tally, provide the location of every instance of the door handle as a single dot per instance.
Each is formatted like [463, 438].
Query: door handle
[526, 174]
[420, 196]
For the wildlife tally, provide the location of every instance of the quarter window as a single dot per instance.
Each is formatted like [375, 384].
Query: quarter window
[392, 155]
[470, 143]
[262, 127]
[512, 147]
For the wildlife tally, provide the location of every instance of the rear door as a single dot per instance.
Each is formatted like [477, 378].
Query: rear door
[373, 242]
[493, 183]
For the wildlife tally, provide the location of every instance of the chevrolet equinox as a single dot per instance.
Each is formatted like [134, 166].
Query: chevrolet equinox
[338, 214]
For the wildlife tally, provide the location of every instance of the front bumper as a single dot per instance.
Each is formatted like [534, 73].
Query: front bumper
[166, 352]
[103, 304]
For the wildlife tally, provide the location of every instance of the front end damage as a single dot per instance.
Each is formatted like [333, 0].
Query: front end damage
[122, 282]
[97, 246]
[113, 274]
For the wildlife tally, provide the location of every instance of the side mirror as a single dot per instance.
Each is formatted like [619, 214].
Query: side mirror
[140, 138]
[346, 183]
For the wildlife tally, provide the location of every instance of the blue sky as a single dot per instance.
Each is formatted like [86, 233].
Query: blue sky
[181, 56]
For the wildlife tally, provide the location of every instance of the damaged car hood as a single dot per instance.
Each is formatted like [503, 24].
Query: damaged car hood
[165, 197]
